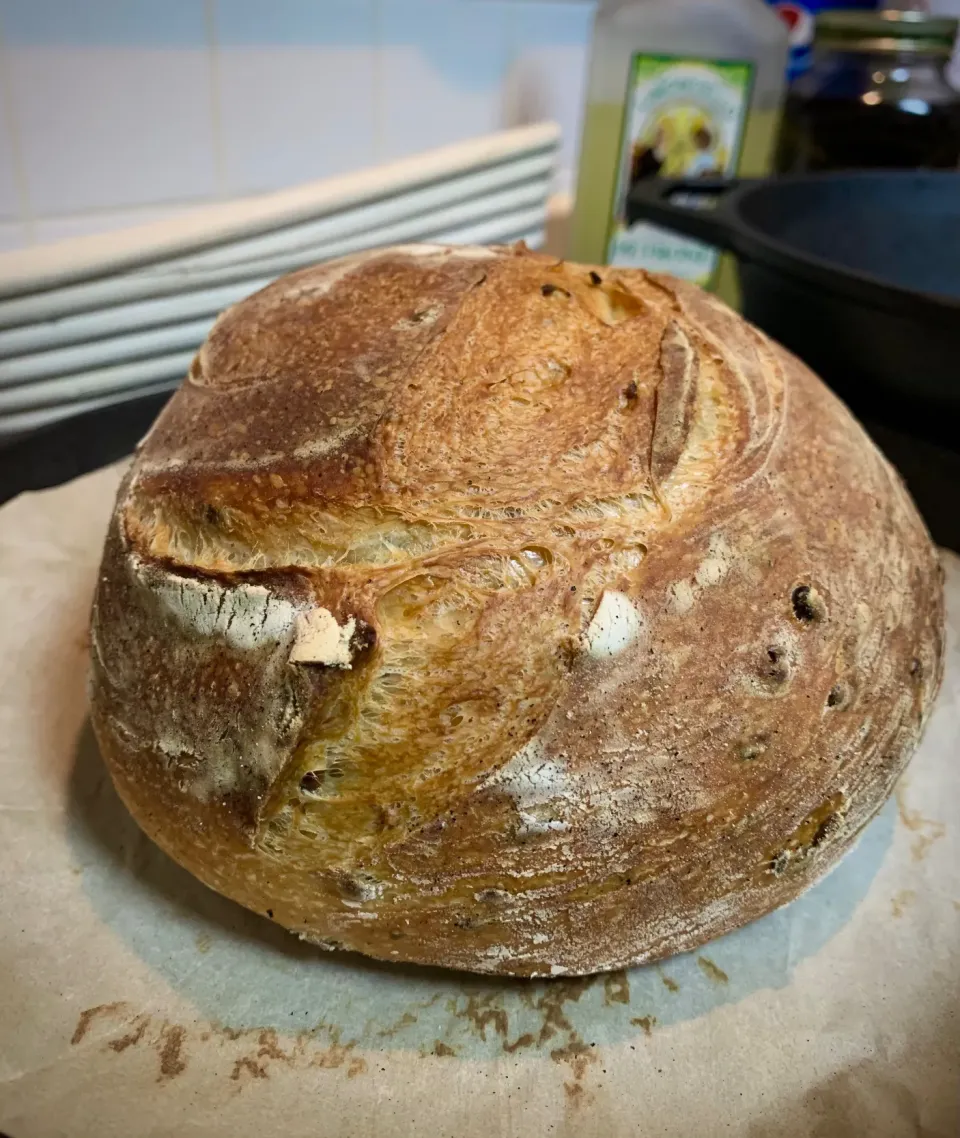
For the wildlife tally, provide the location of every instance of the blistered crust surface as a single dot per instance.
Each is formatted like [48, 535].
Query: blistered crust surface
[469, 608]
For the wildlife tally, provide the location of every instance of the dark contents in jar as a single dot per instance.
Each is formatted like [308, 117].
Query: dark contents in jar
[845, 133]
[876, 95]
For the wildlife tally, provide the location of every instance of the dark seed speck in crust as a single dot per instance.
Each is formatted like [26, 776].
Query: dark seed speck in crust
[807, 604]
[311, 782]
[363, 638]
[775, 669]
[752, 749]
[839, 696]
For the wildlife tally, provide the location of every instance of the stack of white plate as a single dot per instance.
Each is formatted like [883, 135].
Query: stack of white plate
[97, 320]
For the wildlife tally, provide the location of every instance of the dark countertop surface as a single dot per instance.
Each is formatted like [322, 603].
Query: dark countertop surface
[85, 443]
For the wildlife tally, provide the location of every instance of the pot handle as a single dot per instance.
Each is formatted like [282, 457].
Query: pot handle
[711, 219]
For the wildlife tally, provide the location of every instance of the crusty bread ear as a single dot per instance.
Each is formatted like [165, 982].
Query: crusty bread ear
[469, 608]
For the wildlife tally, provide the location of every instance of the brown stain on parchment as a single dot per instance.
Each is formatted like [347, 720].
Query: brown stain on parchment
[410, 1017]
[528, 1039]
[170, 1042]
[576, 1054]
[482, 1011]
[270, 1047]
[928, 830]
[552, 1002]
[711, 971]
[646, 1022]
[579, 1057]
[249, 1053]
[133, 1037]
[616, 988]
[246, 1065]
[487, 1016]
[337, 1054]
[172, 1062]
[255, 1064]
[87, 1017]
[900, 901]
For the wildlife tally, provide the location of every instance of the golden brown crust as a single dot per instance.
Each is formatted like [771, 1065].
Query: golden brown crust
[472, 609]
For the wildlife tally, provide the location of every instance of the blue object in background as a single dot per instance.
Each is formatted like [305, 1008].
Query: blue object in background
[800, 16]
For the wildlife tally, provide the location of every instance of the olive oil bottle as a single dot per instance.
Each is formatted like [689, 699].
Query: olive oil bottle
[676, 89]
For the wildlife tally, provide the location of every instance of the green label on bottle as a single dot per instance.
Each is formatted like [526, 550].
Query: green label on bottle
[683, 118]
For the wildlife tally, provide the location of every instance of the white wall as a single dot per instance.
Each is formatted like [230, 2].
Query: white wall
[114, 112]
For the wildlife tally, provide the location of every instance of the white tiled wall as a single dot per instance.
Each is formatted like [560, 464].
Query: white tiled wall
[443, 69]
[295, 89]
[114, 112]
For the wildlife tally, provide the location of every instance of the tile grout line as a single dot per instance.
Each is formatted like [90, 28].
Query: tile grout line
[181, 205]
[216, 109]
[26, 217]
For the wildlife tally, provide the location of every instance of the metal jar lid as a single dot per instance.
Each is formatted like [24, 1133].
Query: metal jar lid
[886, 31]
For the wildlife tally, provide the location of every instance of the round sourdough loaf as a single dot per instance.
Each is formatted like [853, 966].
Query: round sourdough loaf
[469, 608]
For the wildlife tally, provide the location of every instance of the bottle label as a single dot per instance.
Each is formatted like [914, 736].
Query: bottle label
[683, 118]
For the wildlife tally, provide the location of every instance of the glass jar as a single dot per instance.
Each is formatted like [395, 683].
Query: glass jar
[876, 96]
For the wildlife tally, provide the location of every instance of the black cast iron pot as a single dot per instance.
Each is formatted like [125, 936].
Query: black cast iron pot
[857, 273]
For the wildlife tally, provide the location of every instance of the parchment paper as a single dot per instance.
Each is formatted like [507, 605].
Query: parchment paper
[135, 1002]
